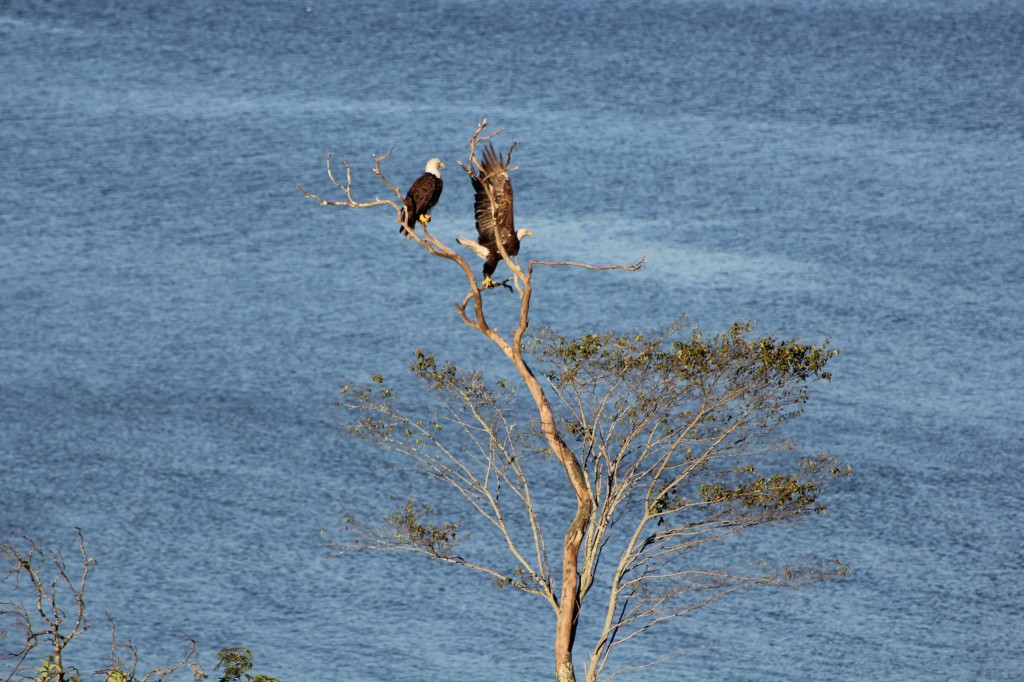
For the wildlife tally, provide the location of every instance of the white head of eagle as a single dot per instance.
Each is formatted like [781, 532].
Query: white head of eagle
[422, 196]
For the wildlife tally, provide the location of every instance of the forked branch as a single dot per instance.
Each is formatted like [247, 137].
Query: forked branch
[125, 666]
[346, 187]
[51, 623]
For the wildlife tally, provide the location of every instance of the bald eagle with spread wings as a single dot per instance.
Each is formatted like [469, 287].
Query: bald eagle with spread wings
[422, 196]
[493, 207]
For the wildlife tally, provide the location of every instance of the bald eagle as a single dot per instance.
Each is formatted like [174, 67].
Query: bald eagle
[422, 196]
[494, 221]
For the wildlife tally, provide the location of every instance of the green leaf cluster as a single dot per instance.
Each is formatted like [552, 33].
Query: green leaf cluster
[50, 671]
[236, 662]
[410, 524]
[469, 387]
[738, 351]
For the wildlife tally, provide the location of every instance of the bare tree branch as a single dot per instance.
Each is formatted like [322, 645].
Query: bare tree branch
[350, 201]
[631, 268]
[50, 624]
[124, 667]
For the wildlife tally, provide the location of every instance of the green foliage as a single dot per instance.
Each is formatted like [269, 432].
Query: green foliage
[781, 494]
[681, 405]
[236, 662]
[737, 353]
[469, 387]
[410, 525]
[518, 578]
[50, 671]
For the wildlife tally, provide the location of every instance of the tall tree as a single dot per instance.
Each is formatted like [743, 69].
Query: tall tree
[668, 441]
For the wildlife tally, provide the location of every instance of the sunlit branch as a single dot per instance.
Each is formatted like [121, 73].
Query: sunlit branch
[350, 201]
[586, 266]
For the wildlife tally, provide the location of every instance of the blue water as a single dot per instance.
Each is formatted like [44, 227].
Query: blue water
[176, 319]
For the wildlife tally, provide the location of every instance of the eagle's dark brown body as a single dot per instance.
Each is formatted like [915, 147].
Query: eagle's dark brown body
[422, 196]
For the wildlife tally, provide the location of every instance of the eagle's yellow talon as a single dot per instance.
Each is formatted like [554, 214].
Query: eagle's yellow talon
[488, 283]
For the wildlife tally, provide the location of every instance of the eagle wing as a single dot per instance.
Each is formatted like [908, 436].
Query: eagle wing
[494, 210]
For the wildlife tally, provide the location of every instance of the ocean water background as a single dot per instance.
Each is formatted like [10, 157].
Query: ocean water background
[176, 320]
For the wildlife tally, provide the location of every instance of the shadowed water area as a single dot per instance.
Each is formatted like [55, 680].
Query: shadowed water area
[176, 319]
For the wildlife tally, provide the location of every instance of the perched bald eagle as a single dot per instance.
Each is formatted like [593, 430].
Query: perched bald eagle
[422, 196]
[495, 221]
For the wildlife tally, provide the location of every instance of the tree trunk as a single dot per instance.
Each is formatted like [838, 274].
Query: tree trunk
[570, 598]
[569, 606]
[569, 603]
[565, 673]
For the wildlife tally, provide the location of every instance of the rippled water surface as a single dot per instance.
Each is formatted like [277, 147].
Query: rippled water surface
[176, 319]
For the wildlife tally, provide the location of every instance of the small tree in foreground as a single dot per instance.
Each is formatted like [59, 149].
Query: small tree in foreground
[53, 588]
[669, 443]
[56, 615]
